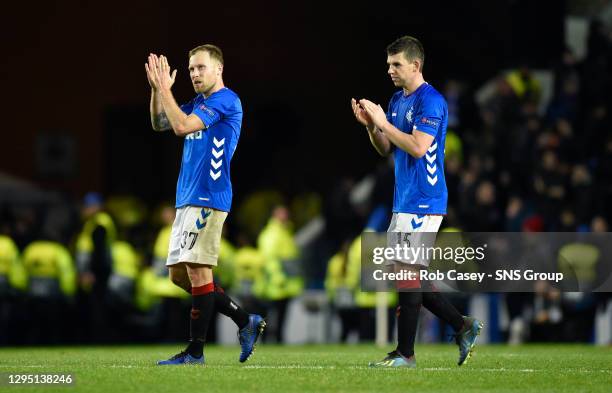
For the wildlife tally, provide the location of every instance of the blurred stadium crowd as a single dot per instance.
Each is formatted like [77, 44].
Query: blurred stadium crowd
[516, 161]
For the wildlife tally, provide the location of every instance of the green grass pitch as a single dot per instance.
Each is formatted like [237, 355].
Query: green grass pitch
[317, 368]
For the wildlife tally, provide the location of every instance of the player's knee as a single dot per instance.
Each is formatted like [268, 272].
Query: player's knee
[179, 279]
[199, 275]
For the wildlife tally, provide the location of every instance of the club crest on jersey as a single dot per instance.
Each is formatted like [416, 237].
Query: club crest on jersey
[409, 115]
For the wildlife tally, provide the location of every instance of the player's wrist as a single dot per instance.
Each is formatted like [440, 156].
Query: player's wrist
[382, 127]
[165, 92]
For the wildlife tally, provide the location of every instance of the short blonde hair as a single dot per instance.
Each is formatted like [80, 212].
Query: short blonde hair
[214, 51]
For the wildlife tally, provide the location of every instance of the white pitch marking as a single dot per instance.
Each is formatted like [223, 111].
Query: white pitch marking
[306, 367]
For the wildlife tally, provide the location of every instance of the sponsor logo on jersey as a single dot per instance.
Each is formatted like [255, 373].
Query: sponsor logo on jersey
[429, 122]
[207, 110]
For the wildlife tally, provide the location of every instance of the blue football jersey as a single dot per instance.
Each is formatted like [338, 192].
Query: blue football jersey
[420, 187]
[204, 179]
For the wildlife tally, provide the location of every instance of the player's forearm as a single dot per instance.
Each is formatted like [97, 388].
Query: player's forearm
[406, 142]
[379, 141]
[159, 121]
[176, 117]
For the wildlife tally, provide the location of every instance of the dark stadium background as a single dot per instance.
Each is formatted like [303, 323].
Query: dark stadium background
[74, 70]
[75, 105]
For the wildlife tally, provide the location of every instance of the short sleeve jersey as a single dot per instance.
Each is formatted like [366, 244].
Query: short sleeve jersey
[204, 179]
[420, 187]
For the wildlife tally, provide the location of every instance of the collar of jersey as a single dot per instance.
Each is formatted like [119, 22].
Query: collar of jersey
[418, 88]
[206, 98]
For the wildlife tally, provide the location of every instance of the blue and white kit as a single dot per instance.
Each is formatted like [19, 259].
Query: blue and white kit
[204, 179]
[420, 196]
[204, 187]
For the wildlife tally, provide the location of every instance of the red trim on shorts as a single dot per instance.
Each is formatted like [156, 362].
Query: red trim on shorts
[203, 290]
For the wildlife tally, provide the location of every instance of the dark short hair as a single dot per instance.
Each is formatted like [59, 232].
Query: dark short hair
[410, 47]
[213, 51]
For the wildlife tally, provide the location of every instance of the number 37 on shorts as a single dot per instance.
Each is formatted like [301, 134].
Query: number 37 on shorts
[188, 238]
[196, 235]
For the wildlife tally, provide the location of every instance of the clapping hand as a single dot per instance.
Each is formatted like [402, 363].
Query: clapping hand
[158, 73]
[360, 114]
[375, 112]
